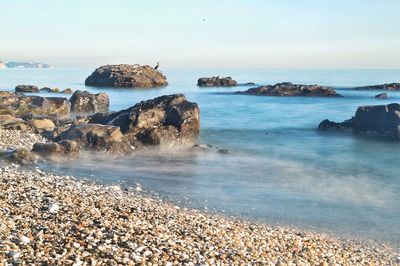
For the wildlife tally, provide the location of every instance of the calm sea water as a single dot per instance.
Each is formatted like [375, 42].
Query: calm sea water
[279, 169]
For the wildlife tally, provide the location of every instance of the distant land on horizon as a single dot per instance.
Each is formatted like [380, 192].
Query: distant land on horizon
[23, 65]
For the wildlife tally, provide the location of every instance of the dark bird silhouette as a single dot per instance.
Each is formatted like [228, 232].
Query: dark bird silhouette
[157, 66]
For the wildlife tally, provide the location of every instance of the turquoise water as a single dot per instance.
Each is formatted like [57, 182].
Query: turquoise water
[279, 169]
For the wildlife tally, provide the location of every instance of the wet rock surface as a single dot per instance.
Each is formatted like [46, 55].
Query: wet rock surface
[128, 76]
[216, 82]
[290, 89]
[381, 121]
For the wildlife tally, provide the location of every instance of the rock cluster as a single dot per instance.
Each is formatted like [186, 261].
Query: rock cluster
[48, 219]
[290, 89]
[127, 76]
[380, 121]
[387, 86]
[165, 121]
[216, 82]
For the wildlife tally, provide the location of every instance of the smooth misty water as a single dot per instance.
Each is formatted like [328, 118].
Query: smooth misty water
[279, 170]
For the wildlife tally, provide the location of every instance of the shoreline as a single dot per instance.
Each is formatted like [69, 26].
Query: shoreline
[62, 220]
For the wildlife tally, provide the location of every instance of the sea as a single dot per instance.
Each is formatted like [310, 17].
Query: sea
[279, 169]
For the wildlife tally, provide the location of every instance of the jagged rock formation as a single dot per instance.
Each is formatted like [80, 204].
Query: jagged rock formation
[166, 120]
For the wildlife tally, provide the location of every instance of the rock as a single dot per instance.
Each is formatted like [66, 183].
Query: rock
[83, 102]
[387, 86]
[67, 91]
[53, 208]
[216, 82]
[167, 120]
[128, 76]
[45, 89]
[380, 121]
[62, 148]
[22, 156]
[98, 137]
[381, 96]
[19, 105]
[12, 123]
[290, 89]
[26, 88]
[41, 124]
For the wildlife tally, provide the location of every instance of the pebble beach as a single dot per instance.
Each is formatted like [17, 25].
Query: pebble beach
[48, 219]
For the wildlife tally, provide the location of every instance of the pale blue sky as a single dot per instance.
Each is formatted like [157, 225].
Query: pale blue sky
[217, 33]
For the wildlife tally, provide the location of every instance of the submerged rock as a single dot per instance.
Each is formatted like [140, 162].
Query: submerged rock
[380, 121]
[290, 89]
[167, 120]
[381, 96]
[83, 102]
[387, 86]
[128, 76]
[26, 88]
[216, 82]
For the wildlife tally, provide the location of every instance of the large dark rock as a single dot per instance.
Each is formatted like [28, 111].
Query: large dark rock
[128, 76]
[97, 137]
[290, 89]
[380, 121]
[166, 121]
[83, 102]
[387, 87]
[216, 82]
[18, 105]
[26, 88]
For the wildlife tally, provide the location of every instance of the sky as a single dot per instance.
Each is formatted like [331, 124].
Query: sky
[190, 33]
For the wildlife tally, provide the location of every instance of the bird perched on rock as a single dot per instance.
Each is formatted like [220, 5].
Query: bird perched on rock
[157, 66]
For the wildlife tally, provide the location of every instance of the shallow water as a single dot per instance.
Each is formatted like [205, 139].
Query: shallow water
[279, 169]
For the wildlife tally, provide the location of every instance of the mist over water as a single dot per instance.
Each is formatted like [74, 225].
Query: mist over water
[279, 169]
